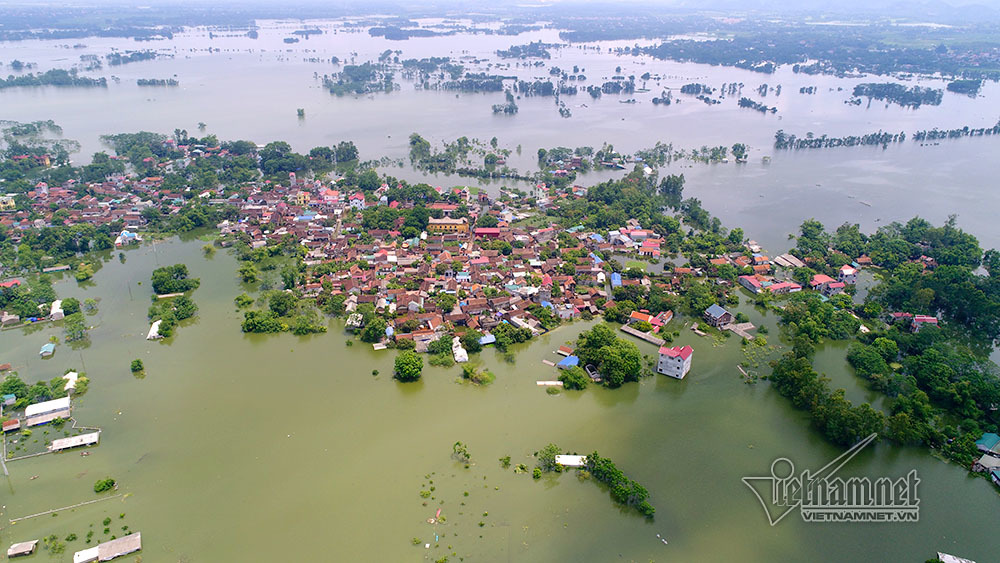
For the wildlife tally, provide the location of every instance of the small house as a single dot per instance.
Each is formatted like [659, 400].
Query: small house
[717, 316]
[848, 274]
[820, 281]
[833, 288]
[56, 312]
[571, 460]
[8, 400]
[920, 321]
[989, 443]
[11, 425]
[986, 464]
[21, 549]
[154, 330]
[9, 319]
[946, 558]
[751, 283]
[70, 384]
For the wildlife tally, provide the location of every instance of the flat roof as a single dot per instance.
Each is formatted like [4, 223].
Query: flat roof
[47, 417]
[47, 406]
[74, 441]
[571, 460]
[85, 555]
[22, 548]
[121, 546]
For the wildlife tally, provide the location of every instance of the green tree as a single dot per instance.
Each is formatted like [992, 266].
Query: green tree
[248, 273]
[621, 363]
[74, 327]
[547, 458]
[84, 272]
[374, 331]
[282, 303]
[574, 378]
[408, 366]
[470, 341]
[70, 305]
[262, 321]
[173, 279]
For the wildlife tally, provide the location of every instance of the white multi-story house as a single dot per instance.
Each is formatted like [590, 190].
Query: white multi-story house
[675, 361]
[848, 275]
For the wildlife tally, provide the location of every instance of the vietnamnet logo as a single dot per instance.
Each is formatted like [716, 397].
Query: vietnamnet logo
[820, 496]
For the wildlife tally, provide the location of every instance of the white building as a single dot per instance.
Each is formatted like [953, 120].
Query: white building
[56, 312]
[40, 413]
[456, 348]
[675, 361]
[847, 275]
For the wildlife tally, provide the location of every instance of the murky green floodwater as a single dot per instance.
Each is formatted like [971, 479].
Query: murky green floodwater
[279, 448]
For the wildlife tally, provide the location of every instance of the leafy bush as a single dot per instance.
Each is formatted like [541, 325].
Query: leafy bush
[104, 485]
[574, 378]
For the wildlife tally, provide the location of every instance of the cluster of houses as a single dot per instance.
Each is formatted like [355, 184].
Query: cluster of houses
[496, 273]
[762, 281]
[52, 312]
[989, 445]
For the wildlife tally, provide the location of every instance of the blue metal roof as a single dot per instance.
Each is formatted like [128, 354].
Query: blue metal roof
[488, 339]
[716, 311]
[568, 362]
[616, 279]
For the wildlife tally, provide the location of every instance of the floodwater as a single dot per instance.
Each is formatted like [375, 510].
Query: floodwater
[276, 447]
[256, 448]
[250, 89]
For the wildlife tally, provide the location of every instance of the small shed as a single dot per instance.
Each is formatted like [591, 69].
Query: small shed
[571, 460]
[56, 312]
[947, 558]
[154, 330]
[22, 548]
[47, 350]
[70, 378]
[8, 400]
[12, 425]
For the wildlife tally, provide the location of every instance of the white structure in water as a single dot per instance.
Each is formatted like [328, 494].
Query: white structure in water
[456, 348]
[675, 361]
